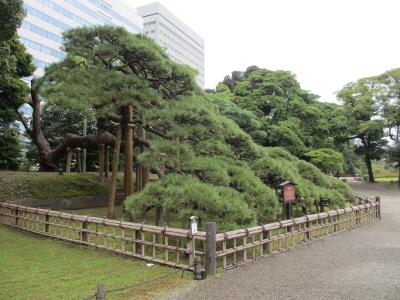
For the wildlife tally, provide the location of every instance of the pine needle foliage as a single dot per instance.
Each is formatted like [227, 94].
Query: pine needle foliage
[213, 168]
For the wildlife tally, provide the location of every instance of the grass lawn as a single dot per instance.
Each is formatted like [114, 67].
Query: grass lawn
[386, 179]
[34, 267]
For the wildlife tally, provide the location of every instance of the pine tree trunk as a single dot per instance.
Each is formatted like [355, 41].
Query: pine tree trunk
[369, 169]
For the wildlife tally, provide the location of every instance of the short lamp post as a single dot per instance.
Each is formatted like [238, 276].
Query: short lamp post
[193, 230]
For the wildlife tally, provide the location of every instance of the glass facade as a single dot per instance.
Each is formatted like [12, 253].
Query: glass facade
[42, 48]
[41, 30]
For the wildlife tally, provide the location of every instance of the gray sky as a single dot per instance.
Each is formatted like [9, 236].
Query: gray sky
[326, 43]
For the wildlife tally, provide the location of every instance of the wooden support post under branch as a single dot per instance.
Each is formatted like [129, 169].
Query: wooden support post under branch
[69, 160]
[211, 231]
[78, 159]
[113, 188]
[107, 162]
[101, 163]
[129, 154]
[145, 170]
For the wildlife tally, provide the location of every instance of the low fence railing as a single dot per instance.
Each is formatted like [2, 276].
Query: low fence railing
[174, 247]
[164, 245]
[240, 246]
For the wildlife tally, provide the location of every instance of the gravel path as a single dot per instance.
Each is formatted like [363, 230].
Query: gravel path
[363, 263]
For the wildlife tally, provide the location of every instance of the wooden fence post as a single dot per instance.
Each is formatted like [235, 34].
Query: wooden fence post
[197, 268]
[84, 235]
[358, 217]
[16, 217]
[101, 292]
[378, 200]
[47, 225]
[307, 236]
[138, 246]
[211, 247]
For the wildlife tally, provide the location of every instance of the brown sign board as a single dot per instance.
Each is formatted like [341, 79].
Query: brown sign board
[289, 193]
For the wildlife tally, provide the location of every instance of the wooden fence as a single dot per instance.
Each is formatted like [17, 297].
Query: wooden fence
[173, 246]
[164, 245]
[240, 246]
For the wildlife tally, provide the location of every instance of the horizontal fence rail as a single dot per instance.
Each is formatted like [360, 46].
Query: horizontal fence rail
[174, 247]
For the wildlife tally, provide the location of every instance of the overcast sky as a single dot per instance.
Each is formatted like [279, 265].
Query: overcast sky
[326, 43]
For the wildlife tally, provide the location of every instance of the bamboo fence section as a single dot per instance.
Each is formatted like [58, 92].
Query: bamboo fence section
[243, 245]
[163, 245]
[173, 246]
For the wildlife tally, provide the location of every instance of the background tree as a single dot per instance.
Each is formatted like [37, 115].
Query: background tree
[391, 112]
[10, 149]
[393, 154]
[15, 63]
[12, 14]
[362, 102]
[327, 160]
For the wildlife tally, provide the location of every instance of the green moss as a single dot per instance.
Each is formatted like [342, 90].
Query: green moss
[44, 185]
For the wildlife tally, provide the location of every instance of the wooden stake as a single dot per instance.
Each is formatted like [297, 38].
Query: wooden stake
[101, 163]
[69, 160]
[113, 189]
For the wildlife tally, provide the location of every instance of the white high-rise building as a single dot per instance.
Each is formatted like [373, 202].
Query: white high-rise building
[47, 19]
[182, 44]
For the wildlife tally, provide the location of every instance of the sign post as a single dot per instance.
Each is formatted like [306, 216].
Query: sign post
[288, 194]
